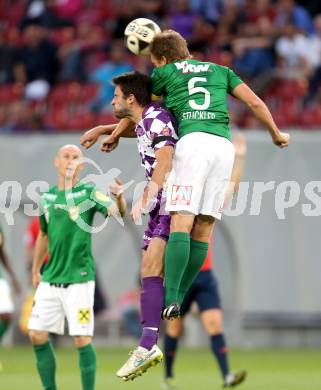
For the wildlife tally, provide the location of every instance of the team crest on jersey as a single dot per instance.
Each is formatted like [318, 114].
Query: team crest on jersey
[181, 195]
[73, 212]
[84, 316]
[166, 131]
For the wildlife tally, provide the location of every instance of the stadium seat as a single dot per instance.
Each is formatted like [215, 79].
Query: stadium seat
[10, 93]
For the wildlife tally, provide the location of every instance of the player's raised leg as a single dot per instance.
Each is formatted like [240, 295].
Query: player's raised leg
[147, 354]
[201, 235]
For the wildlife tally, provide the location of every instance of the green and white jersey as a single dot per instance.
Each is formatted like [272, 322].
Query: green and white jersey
[196, 93]
[70, 256]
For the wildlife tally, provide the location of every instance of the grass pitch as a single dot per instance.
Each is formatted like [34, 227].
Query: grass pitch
[195, 370]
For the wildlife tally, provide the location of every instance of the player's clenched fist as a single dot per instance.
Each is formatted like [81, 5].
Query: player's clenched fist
[282, 140]
[109, 143]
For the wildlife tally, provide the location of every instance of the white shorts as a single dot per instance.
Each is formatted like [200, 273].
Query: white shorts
[6, 303]
[52, 304]
[201, 173]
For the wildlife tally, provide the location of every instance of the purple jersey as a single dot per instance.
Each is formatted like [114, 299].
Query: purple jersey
[154, 131]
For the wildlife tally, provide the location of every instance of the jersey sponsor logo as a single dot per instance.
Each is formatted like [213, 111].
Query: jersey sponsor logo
[84, 316]
[185, 67]
[79, 194]
[51, 197]
[166, 131]
[181, 195]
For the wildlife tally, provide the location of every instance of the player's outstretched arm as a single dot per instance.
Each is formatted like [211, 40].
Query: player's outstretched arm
[125, 128]
[6, 263]
[41, 250]
[240, 152]
[262, 113]
[90, 137]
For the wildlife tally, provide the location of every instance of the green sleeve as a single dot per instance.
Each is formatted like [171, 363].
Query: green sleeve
[158, 81]
[233, 80]
[102, 201]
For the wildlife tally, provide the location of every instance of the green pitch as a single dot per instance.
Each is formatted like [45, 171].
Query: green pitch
[195, 369]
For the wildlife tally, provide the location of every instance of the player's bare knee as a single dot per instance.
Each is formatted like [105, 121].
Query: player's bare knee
[182, 222]
[38, 337]
[175, 328]
[203, 228]
[151, 267]
[82, 341]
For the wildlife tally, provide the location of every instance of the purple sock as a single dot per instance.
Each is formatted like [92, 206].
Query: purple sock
[151, 304]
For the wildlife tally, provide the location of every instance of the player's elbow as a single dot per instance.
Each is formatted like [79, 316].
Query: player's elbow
[255, 103]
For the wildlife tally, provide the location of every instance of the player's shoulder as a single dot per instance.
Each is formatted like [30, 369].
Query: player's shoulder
[155, 111]
[156, 114]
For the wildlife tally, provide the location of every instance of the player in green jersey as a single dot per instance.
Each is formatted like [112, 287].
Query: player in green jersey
[66, 287]
[6, 303]
[196, 92]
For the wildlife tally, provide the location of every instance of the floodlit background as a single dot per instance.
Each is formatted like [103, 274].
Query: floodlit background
[57, 58]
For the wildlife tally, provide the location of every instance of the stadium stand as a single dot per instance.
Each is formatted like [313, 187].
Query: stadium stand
[273, 45]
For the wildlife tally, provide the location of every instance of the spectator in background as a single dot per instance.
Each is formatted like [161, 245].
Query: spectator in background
[37, 59]
[290, 12]
[210, 10]
[68, 9]
[18, 119]
[183, 19]
[290, 48]
[313, 53]
[128, 11]
[22, 118]
[116, 64]
[6, 59]
[80, 50]
[43, 12]
[253, 51]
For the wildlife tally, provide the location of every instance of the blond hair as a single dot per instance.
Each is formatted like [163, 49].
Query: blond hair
[171, 45]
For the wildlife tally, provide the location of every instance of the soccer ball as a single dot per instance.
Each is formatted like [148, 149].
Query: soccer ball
[138, 35]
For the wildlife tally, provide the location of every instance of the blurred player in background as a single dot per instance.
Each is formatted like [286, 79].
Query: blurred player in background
[6, 302]
[66, 287]
[156, 139]
[196, 93]
[204, 291]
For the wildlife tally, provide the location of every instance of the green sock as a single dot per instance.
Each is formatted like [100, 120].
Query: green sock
[176, 259]
[3, 328]
[46, 364]
[87, 364]
[198, 253]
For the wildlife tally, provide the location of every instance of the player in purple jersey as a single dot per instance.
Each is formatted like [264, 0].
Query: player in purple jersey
[156, 138]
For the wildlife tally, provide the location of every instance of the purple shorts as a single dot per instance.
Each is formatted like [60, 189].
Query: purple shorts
[158, 224]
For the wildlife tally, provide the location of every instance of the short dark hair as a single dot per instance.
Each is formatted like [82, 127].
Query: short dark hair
[171, 45]
[137, 84]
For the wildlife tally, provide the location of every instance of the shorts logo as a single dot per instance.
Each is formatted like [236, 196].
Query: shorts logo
[84, 316]
[181, 195]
